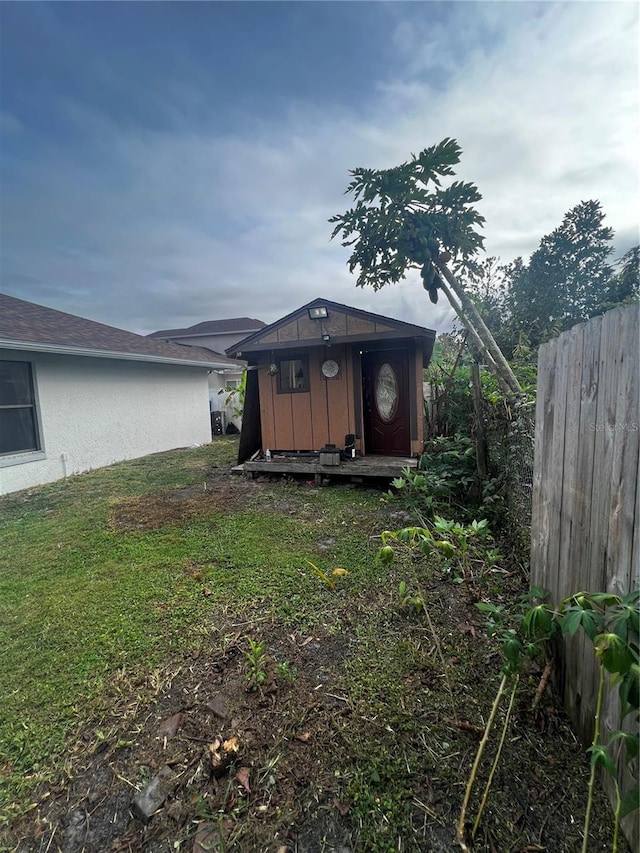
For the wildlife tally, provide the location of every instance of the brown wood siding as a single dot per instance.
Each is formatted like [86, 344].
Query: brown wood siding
[331, 399]
[337, 325]
[289, 332]
[266, 385]
[320, 417]
[359, 326]
[339, 400]
[382, 327]
[301, 414]
[308, 421]
[305, 329]
[332, 408]
[269, 338]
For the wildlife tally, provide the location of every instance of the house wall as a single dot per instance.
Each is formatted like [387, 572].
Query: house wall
[217, 395]
[95, 411]
[309, 420]
[218, 380]
[218, 343]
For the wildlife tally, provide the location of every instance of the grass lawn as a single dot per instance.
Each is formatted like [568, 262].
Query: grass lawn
[131, 593]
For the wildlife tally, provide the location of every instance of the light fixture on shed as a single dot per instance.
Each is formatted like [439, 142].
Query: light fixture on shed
[319, 312]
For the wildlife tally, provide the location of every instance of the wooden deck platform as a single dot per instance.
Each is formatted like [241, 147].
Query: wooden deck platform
[358, 469]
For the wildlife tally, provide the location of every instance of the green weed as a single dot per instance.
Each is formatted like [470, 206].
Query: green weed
[256, 660]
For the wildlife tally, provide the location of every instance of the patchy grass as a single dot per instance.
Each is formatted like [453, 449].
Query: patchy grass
[94, 581]
[130, 594]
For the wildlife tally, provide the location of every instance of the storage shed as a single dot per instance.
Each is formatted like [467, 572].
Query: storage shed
[328, 378]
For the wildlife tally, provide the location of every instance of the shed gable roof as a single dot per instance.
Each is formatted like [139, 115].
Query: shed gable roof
[343, 324]
[25, 325]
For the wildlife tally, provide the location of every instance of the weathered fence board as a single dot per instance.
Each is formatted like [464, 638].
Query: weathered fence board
[586, 494]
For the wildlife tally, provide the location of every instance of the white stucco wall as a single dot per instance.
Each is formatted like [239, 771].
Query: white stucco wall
[96, 411]
[218, 379]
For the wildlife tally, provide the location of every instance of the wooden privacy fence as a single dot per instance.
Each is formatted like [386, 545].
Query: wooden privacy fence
[586, 487]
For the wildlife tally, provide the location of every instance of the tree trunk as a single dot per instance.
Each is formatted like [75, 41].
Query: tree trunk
[488, 346]
[482, 456]
[479, 344]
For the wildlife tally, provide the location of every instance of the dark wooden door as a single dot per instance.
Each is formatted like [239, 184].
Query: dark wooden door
[385, 390]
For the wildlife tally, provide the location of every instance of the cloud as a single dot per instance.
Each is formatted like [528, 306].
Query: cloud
[148, 228]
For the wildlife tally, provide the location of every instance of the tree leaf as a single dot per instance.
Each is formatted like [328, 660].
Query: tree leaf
[601, 758]
[631, 743]
[629, 690]
[630, 802]
[613, 653]
[571, 620]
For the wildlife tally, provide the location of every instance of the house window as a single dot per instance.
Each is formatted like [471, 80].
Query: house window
[293, 375]
[18, 417]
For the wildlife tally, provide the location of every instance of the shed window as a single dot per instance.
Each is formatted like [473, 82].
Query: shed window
[293, 375]
[18, 417]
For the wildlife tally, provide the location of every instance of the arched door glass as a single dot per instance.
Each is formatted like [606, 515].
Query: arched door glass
[386, 392]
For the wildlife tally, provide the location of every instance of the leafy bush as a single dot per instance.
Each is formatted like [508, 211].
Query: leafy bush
[446, 479]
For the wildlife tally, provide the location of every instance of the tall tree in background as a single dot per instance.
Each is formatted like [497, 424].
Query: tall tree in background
[404, 218]
[625, 284]
[567, 276]
[568, 279]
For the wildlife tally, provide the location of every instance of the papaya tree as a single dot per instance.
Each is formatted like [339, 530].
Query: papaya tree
[404, 218]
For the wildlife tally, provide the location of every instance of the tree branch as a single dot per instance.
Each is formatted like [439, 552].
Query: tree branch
[487, 345]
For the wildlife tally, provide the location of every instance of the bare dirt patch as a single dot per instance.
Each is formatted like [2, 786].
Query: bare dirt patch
[151, 512]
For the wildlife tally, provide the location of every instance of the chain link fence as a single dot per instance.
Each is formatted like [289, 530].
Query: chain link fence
[510, 433]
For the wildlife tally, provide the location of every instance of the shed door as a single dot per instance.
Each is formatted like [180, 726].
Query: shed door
[385, 381]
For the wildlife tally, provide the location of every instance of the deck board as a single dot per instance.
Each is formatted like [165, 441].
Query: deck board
[382, 467]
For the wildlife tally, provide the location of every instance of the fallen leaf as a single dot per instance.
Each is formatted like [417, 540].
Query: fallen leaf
[231, 745]
[218, 706]
[339, 573]
[207, 838]
[242, 776]
[170, 726]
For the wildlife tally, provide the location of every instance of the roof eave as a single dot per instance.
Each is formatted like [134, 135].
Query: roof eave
[173, 337]
[59, 349]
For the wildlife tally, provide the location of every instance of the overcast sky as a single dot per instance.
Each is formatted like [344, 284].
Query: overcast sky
[168, 163]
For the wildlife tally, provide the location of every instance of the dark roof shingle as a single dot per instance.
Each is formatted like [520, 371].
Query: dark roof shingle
[212, 327]
[23, 323]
